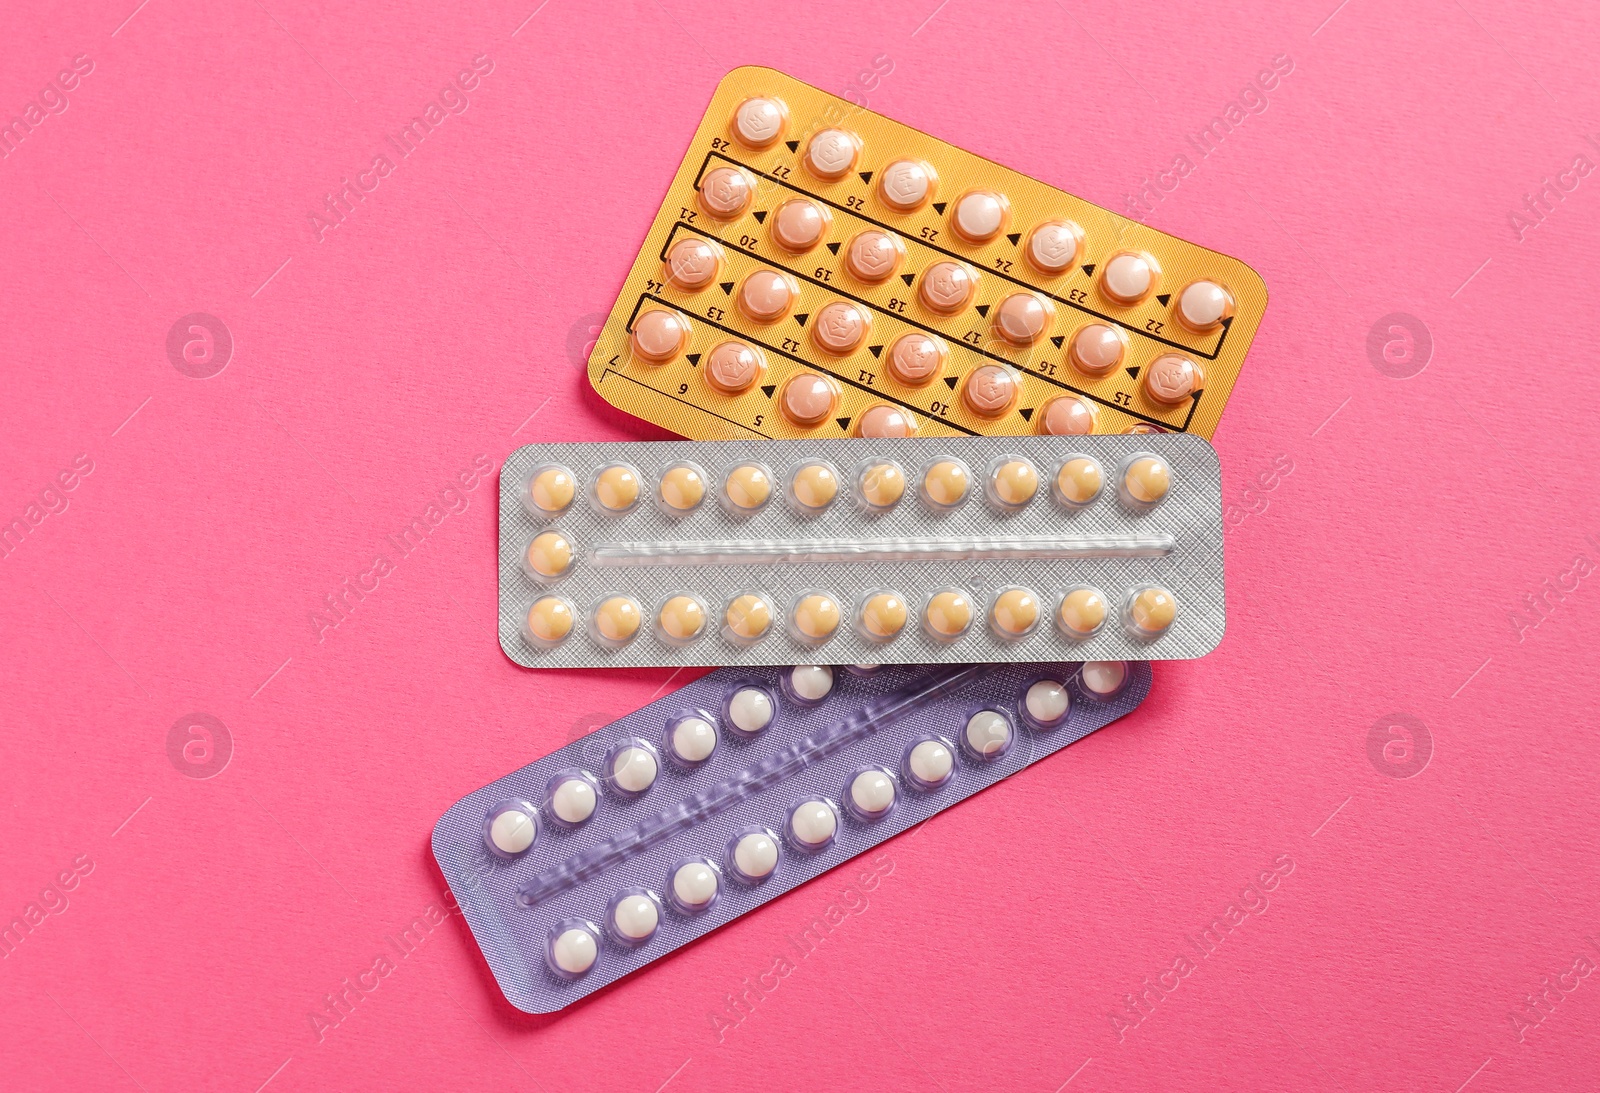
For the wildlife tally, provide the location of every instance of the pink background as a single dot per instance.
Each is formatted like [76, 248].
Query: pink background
[445, 319]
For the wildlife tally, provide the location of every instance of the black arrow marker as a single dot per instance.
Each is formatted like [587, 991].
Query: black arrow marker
[982, 309]
[1227, 322]
[938, 207]
[792, 145]
[844, 422]
[950, 382]
[1027, 414]
[768, 388]
[1089, 269]
[1014, 237]
[1164, 297]
[1134, 372]
[833, 248]
[694, 359]
[1196, 394]
[761, 217]
[726, 287]
[1057, 340]
[866, 176]
[908, 277]
[802, 317]
[875, 350]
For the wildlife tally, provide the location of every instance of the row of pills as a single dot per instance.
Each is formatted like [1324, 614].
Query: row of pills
[880, 616]
[945, 483]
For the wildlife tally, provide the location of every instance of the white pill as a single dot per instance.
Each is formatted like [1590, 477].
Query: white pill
[573, 801]
[512, 832]
[694, 884]
[1047, 702]
[750, 710]
[634, 769]
[813, 823]
[758, 122]
[931, 762]
[693, 739]
[811, 682]
[988, 732]
[1104, 677]
[872, 791]
[636, 917]
[980, 215]
[1128, 277]
[756, 855]
[1203, 304]
[574, 951]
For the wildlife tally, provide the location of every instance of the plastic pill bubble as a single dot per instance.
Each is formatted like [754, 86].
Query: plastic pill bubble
[883, 616]
[916, 359]
[682, 488]
[1104, 678]
[816, 617]
[839, 328]
[886, 421]
[1022, 318]
[1015, 613]
[759, 122]
[990, 391]
[1047, 702]
[549, 555]
[798, 225]
[692, 264]
[550, 491]
[1129, 277]
[694, 739]
[748, 487]
[617, 488]
[946, 287]
[574, 950]
[766, 296]
[756, 855]
[948, 615]
[806, 399]
[1078, 481]
[811, 682]
[750, 710]
[694, 885]
[812, 824]
[1067, 416]
[748, 618]
[573, 801]
[873, 256]
[905, 184]
[682, 619]
[635, 918]
[1014, 483]
[726, 192]
[733, 368]
[945, 484]
[931, 763]
[1053, 247]
[988, 734]
[616, 619]
[549, 620]
[1097, 349]
[512, 831]
[1151, 611]
[872, 792]
[832, 153]
[634, 769]
[658, 336]
[881, 485]
[1147, 479]
[980, 216]
[1203, 305]
[814, 486]
[1171, 379]
[1083, 611]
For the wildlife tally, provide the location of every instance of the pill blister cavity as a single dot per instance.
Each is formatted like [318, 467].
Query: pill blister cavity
[634, 768]
[1046, 703]
[634, 918]
[1147, 479]
[1022, 318]
[839, 328]
[884, 420]
[872, 794]
[1204, 305]
[1054, 245]
[1067, 415]
[726, 192]
[832, 153]
[948, 615]
[573, 950]
[990, 391]
[1104, 678]
[750, 711]
[692, 740]
[548, 556]
[987, 734]
[692, 263]
[512, 831]
[944, 483]
[1129, 277]
[1151, 611]
[1013, 483]
[747, 619]
[1097, 349]
[812, 825]
[906, 184]
[747, 487]
[1082, 612]
[755, 856]
[683, 487]
[916, 360]
[1171, 379]
[1079, 480]
[815, 618]
[930, 764]
[807, 399]
[946, 287]
[658, 335]
[616, 488]
[616, 620]
[573, 800]
[759, 122]
[1015, 613]
[811, 682]
[799, 224]
[549, 621]
[980, 215]
[682, 619]
[694, 886]
[550, 491]
[813, 486]
[873, 256]
[881, 485]
[766, 296]
[882, 616]
[733, 367]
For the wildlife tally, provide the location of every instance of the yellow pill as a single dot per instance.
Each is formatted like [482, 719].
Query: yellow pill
[883, 615]
[945, 483]
[948, 614]
[682, 488]
[549, 554]
[748, 617]
[1153, 610]
[816, 617]
[815, 486]
[682, 618]
[1016, 612]
[549, 619]
[1078, 481]
[748, 487]
[1083, 610]
[1147, 479]
[551, 490]
[1015, 482]
[617, 488]
[617, 619]
[882, 484]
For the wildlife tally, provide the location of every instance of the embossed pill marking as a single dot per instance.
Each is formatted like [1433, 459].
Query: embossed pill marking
[831, 154]
[807, 399]
[766, 295]
[1129, 277]
[946, 287]
[839, 328]
[917, 359]
[1022, 318]
[873, 256]
[1054, 245]
[1097, 349]
[759, 122]
[658, 335]
[906, 184]
[726, 192]
[1171, 379]
[692, 263]
[981, 215]
[883, 420]
[799, 225]
[990, 391]
[1067, 416]
[733, 367]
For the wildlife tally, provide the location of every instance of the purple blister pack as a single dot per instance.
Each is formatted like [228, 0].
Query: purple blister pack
[601, 857]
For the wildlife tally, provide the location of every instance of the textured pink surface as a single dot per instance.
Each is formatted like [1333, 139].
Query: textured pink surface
[1388, 534]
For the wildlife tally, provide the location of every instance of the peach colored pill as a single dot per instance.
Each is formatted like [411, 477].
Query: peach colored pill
[946, 287]
[758, 123]
[882, 485]
[549, 620]
[816, 617]
[814, 486]
[1079, 480]
[1203, 305]
[659, 335]
[1053, 246]
[734, 367]
[1022, 318]
[906, 184]
[886, 421]
[839, 328]
[945, 483]
[1171, 379]
[948, 615]
[616, 620]
[981, 215]
[1083, 611]
[692, 263]
[1015, 612]
[766, 296]
[990, 391]
[681, 619]
[682, 488]
[748, 617]
[617, 488]
[798, 225]
[883, 616]
[550, 554]
[916, 359]
[1015, 482]
[873, 256]
[1067, 416]
[551, 489]
[807, 399]
[1147, 479]
[726, 192]
[748, 487]
[1129, 277]
[1152, 610]
[1097, 349]
[832, 153]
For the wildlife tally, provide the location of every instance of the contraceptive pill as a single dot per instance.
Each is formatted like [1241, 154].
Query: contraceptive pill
[693, 739]
[811, 682]
[513, 831]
